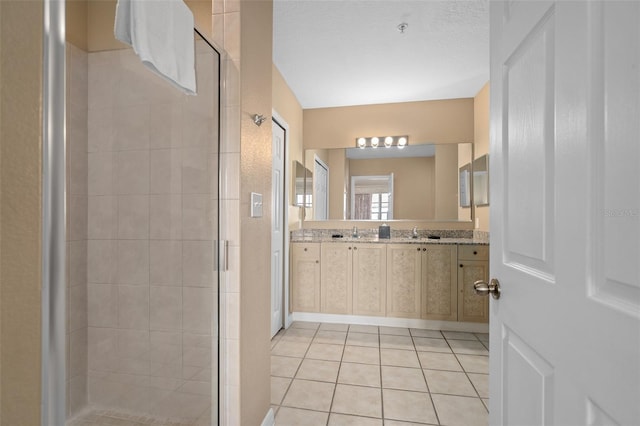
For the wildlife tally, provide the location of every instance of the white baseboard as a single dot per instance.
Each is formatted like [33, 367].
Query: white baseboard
[471, 327]
[269, 419]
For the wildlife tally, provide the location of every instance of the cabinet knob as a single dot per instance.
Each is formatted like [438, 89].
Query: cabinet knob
[424, 249]
[418, 248]
[475, 252]
[461, 265]
[355, 248]
[349, 248]
[317, 261]
[305, 249]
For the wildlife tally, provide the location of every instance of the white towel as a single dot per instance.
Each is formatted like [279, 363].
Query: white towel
[161, 34]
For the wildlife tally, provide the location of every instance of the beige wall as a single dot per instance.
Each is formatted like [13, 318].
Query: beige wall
[413, 183]
[442, 121]
[21, 51]
[481, 144]
[76, 23]
[256, 18]
[288, 107]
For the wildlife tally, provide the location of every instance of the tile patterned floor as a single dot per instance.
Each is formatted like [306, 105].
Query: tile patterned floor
[339, 374]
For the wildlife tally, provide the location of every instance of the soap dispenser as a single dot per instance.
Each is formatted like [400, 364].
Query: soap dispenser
[384, 231]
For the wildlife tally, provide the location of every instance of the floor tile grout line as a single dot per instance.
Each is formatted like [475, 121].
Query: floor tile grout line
[470, 381]
[335, 387]
[424, 376]
[297, 369]
[380, 370]
[467, 376]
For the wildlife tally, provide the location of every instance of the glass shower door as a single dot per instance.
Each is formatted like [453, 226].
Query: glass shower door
[142, 202]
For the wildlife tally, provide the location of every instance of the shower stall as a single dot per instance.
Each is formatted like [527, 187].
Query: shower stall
[141, 195]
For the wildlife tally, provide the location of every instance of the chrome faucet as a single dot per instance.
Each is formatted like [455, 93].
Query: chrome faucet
[354, 232]
[414, 233]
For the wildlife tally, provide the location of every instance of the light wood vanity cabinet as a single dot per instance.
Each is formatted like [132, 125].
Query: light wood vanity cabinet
[369, 279]
[353, 278]
[404, 277]
[336, 283]
[305, 274]
[473, 265]
[439, 282]
[427, 281]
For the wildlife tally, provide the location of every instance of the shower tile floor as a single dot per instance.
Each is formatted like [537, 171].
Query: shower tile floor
[339, 374]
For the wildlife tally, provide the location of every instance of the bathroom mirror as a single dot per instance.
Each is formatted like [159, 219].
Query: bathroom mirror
[425, 184]
[302, 181]
[481, 181]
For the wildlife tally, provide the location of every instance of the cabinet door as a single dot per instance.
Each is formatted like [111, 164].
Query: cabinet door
[403, 280]
[369, 279]
[439, 282]
[471, 307]
[305, 277]
[335, 278]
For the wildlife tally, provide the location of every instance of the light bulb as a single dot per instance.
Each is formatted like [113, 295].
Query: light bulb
[402, 141]
[362, 142]
[388, 141]
[374, 142]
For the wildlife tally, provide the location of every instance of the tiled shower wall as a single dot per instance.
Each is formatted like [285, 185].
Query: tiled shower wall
[151, 180]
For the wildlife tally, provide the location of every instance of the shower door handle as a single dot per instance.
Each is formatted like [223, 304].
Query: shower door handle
[221, 255]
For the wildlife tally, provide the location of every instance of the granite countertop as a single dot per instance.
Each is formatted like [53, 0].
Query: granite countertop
[447, 237]
[370, 240]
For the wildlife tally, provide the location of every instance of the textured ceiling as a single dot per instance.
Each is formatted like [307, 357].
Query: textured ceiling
[350, 52]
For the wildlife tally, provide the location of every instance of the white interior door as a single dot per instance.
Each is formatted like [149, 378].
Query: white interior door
[565, 212]
[277, 230]
[320, 189]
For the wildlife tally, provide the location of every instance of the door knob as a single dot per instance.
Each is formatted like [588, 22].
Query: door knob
[483, 289]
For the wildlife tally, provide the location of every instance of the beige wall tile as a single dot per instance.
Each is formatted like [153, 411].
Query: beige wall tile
[133, 262]
[102, 261]
[102, 305]
[165, 262]
[133, 172]
[196, 217]
[165, 312]
[133, 217]
[77, 307]
[165, 217]
[197, 268]
[198, 124]
[131, 124]
[78, 352]
[196, 304]
[195, 173]
[232, 34]
[102, 166]
[101, 128]
[102, 217]
[77, 395]
[103, 344]
[166, 123]
[166, 171]
[133, 307]
[230, 176]
[77, 217]
[78, 258]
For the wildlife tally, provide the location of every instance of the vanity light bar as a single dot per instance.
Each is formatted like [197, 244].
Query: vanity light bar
[382, 141]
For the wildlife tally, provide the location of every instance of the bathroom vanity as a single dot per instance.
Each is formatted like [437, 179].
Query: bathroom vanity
[401, 277]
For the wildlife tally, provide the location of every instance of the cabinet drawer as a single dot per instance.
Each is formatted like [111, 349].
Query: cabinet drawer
[307, 249]
[471, 252]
